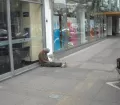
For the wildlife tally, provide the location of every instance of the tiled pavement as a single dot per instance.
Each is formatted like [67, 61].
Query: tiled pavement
[83, 82]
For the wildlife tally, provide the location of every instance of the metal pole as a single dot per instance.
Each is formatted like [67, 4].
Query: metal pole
[10, 37]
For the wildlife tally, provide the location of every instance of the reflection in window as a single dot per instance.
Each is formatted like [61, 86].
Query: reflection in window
[118, 5]
[26, 32]
[82, 23]
[113, 5]
[109, 5]
[4, 48]
[59, 25]
[73, 24]
[3, 22]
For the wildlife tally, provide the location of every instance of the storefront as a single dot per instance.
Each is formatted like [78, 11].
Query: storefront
[75, 23]
[21, 36]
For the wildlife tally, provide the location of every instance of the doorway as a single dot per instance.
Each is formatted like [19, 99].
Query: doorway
[115, 25]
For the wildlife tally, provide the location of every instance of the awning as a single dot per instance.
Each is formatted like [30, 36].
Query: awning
[108, 13]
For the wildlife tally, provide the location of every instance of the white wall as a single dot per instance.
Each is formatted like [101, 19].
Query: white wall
[48, 23]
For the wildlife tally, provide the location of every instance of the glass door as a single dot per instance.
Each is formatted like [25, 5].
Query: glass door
[75, 19]
[59, 25]
[26, 27]
[4, 43]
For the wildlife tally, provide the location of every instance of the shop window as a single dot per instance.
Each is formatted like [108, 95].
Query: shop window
[60, 25]
[26, 26]
[82, 25]
[4, 46]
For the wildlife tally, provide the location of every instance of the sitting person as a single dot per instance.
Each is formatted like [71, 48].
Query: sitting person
[44, 61]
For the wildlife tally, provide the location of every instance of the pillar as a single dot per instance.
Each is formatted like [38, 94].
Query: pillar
[48, 25]
[109, 26]
[81, 13]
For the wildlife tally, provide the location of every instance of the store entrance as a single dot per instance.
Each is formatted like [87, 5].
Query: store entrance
[115, 25]
[26, 27]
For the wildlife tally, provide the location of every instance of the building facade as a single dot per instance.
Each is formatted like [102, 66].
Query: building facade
[21, 35]
[26, 26]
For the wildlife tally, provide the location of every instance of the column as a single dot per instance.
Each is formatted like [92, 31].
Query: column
[109, 26]
[48, 25]
[82, 25]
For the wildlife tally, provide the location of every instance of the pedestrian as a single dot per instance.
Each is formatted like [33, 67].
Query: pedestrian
[44, 61]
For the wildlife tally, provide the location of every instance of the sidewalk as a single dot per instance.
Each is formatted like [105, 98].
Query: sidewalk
[82, 83]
